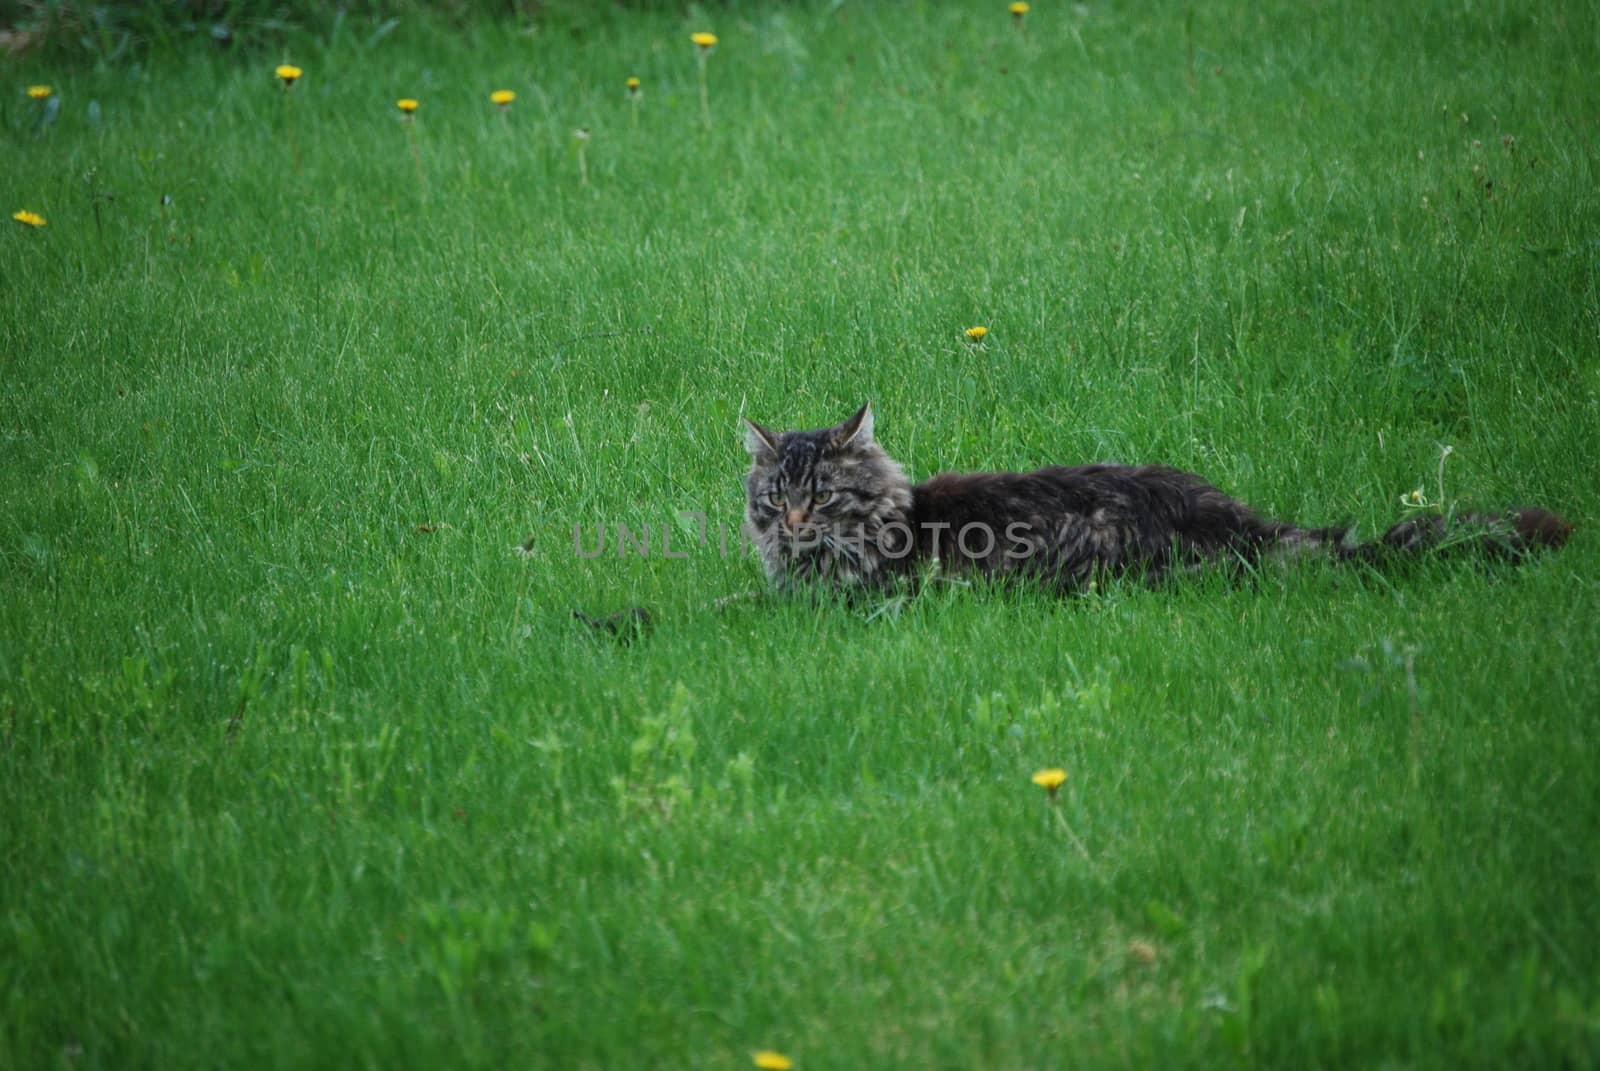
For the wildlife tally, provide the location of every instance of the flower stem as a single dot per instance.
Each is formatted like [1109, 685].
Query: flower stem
[1061, 820]
[416, 156]
[288, 125]
[94, 202]
[705, 96]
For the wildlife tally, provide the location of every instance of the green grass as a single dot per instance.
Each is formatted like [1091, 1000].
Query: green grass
[302, 764]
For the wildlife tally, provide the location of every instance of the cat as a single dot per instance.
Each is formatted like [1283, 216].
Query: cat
[830, 509]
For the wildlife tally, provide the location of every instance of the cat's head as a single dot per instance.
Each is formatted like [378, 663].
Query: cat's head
[817, 503]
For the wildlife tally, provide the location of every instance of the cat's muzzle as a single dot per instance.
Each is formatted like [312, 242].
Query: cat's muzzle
[806, 537]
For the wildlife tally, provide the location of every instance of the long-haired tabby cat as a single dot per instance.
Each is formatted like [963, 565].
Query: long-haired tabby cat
[830, 508]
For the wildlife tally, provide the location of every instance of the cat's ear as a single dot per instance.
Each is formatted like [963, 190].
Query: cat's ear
[758, 440]
[857, 431]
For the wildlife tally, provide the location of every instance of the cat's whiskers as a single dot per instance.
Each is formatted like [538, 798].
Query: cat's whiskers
[838, 546]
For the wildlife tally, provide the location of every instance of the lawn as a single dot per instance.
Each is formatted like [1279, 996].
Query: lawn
[308, 410]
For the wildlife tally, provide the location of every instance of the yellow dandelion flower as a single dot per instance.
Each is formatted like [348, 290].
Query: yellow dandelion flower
[768, 1060]
[502, 97]
[1019, 9]
[40, 92]
[1050, 780]
[406, 104]
[975, 334]
[704, 42]
[634, 99]
[28, 219]
[288, 73]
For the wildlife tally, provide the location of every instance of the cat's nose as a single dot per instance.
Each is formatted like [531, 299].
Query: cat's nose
[795, 518]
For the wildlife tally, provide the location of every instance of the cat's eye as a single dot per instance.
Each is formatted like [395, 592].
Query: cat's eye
[775, 498]
[820, 498]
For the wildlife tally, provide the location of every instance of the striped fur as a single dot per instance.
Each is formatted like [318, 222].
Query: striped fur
[831, 508]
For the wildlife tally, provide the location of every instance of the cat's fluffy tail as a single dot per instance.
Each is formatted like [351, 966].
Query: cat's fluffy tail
[1507, 536]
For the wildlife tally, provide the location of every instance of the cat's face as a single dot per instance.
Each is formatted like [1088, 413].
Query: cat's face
[817, 503]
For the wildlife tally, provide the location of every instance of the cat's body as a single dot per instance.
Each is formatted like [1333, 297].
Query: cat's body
[830, 508]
